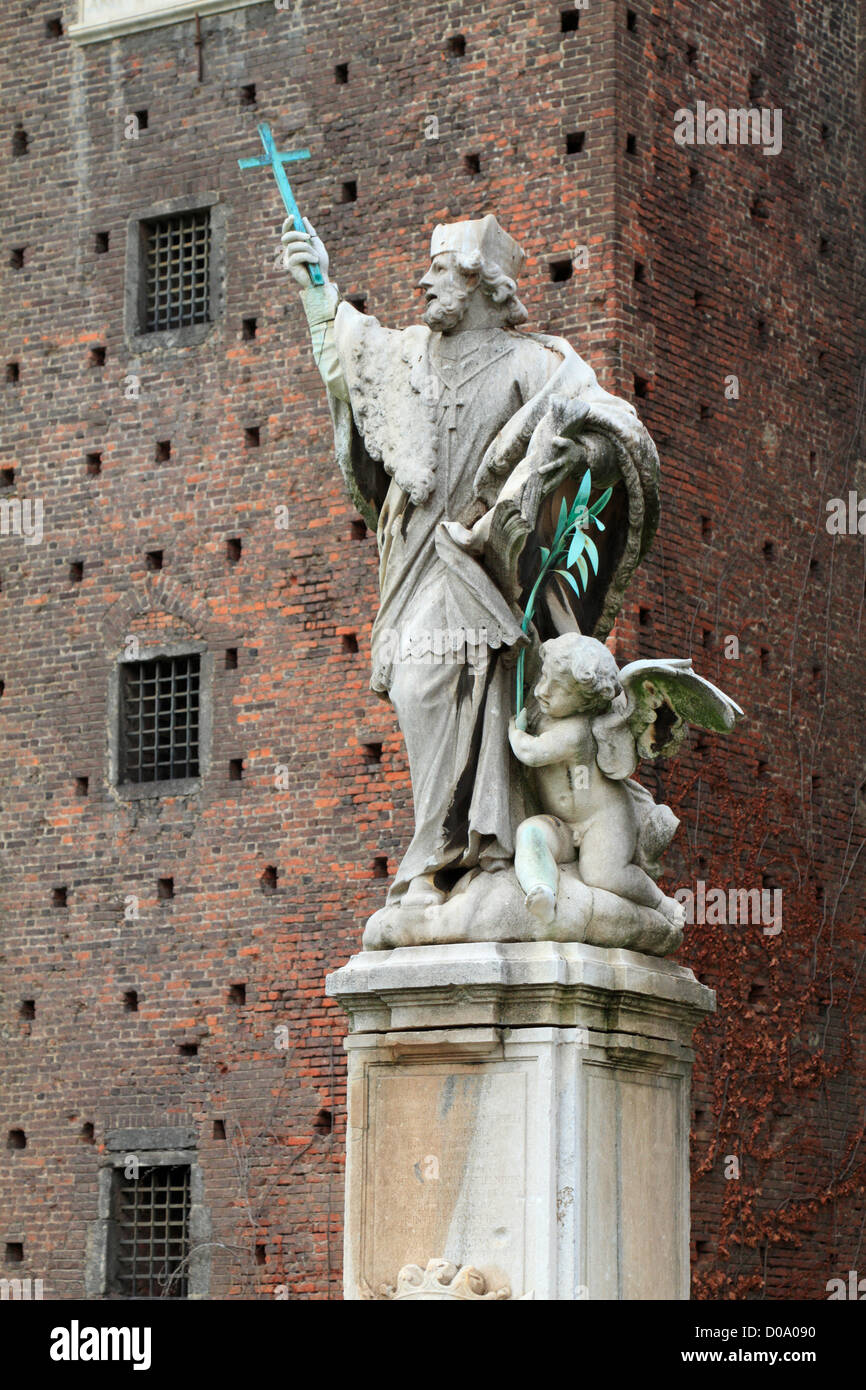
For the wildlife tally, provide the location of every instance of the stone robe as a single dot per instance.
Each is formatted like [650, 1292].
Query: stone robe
[415, 413]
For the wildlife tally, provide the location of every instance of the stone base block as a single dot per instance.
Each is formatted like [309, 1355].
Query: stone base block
[521, 1110]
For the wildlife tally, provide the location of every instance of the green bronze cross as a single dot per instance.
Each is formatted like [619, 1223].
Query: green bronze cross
[276, 161]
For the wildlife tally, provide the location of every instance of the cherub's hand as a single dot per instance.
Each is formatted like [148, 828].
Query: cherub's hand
[302, 249]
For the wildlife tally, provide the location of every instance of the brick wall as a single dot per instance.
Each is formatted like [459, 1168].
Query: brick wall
[750, 266]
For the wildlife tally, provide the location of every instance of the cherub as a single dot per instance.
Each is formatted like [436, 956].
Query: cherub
[593, 725]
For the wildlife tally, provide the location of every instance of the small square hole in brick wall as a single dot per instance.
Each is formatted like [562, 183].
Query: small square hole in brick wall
[817, 671]
[234, 549]
[96, 356]
[630, 21]
[769, 550]
[19, 142]
[644, 617]
[2, 687]
[701, 744]
[86, 1134]
[153, 559]
[100, 243]
[219, 1129]
[756, 86]
[341, 74]
[695, 177]
[569, 21]
[472, 163]
[268, 880]
[699, 299]
[14, 1252]
[324, 1122]
[16, 257]
[248, 329]
[761, 770]
[764, 657]
[7, 477]
[261, 1254]
[701, 1247]
[357, 529]
[575, 142]
[238, 994]
[824, 131]
[27, 1008]
[188, 1049]
[130, 1001]
[93, 464]
[639, 272]
[823, 246]
[358, 301]
[380, 866]
[349, 191]
[704, 412]
[76, 571]
[60, 897]
[641, 386]
[82, 786]
[760, 209]
[248, 94]
[349, 642]
[54, 27]
[142, 118]
[252, 437]
[631, 144]
[814, 566]
[560, 271]
[372, 752]
[817, 788]
[707, 637]
[706, 528]
[16, 1139]
[691, 54]
[163, 450]
[164, 889]
[231, 659]
[13, 372]
[236, 769]
[457, 45]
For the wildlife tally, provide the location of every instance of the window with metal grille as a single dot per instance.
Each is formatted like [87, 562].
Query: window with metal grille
[159, 718]
[150, 1233]
[176, 280]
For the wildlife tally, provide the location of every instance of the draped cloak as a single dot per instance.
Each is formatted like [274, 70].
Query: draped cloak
[429, 429]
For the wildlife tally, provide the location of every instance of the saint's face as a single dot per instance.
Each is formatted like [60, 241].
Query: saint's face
[445, 291]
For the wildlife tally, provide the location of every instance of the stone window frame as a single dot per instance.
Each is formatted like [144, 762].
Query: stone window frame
[164, 1147]
[106, 19]
[169, 786]
[194, 333]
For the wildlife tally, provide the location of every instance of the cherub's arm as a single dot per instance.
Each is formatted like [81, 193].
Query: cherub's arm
[555, 745]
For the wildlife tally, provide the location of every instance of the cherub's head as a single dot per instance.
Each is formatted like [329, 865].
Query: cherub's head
[578, 676]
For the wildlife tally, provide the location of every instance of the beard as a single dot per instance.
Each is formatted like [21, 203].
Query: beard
[445, 312]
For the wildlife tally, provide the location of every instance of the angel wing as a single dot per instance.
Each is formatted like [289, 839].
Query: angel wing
[665, 696]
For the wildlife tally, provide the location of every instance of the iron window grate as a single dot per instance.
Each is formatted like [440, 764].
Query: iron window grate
[159, 710]
[151, 1233]
[177, 271]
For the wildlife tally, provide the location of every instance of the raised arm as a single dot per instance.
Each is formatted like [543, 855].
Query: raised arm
[302, 249]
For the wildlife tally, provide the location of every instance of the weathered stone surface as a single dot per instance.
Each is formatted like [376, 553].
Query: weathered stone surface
[552, 1158]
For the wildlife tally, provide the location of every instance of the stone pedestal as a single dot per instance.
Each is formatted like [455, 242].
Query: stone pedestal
[519, 1114]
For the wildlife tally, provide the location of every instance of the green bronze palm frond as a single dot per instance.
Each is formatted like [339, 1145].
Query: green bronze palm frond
[571, 548]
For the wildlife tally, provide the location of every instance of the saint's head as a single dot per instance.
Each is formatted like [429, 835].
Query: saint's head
[472, 280]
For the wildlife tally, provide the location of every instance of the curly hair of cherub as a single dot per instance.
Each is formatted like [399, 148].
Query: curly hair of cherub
[586, 661]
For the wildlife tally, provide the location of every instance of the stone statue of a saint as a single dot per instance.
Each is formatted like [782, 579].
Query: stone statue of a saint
[459, 438]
